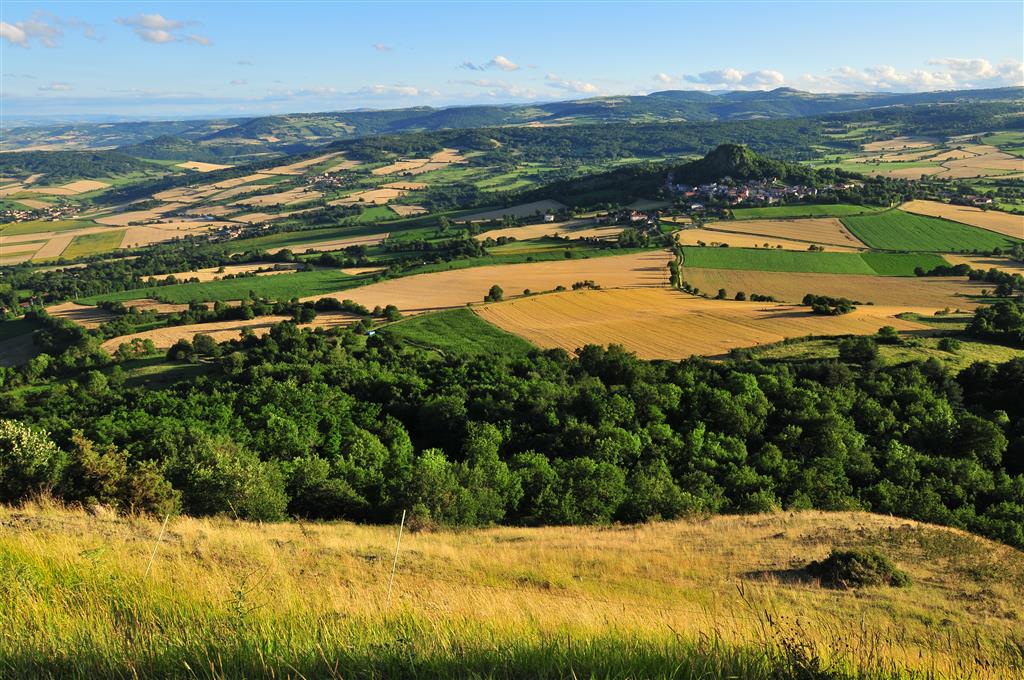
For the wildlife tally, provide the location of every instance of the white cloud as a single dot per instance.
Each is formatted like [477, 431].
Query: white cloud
[45, 28]
[734, 79]
[381, 47]
[663, 78]
[397, 90]
[56, 87]
[956, 73]
[499, 62]
[501, 88]
[577, 86]
[157, 29]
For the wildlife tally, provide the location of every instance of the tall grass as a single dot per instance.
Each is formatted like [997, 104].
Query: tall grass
[679, 600]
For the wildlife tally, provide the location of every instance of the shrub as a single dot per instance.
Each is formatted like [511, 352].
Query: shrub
[30, 462]
[857, 569]
[951, 345]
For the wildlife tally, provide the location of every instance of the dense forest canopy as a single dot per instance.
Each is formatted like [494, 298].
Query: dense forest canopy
[314, 424]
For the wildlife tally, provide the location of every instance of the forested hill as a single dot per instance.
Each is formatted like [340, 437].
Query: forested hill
[288, 132]
[61, 166]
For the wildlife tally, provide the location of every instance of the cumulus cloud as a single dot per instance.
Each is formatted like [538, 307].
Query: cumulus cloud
[734, 79]
[157, 29]
[498, 63]
[381, 47]
[663, 78]
[56, 87]
[46, 29]
[397, 90]
[576, 86]
[954, 73]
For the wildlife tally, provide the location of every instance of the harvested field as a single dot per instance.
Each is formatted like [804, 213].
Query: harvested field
[521, 210]
[10, 190]
[225, 330]
[334, 244]
[238, 181]
[158, 233]
[300, 167]
[257, 217]
[123, 219]
[407, 210]
[27, 246]
[359, 271]
[33, 203]
[344, 165]
[986, 263]
[712, 237]
[570, 229]
[667, 324]
[369, 197]
[210, 210]
[405, 185]
[71, 188]
[400, 166]
[937, 292]
[54, 247]
[447, 156]
[147, 305]
[826, 231]
[443, 290]
[897, 143]
[199, 166]
[84, 315]
[17, 258]
[297, 195]
[992, 220]
[214, 273]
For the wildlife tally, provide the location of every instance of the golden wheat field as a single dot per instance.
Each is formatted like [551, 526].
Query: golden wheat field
[334, 244]
[993, 220]
[123, 219]
[33, 203]
[570, 229]
[301, 166]
[297, 195]
[897, 143]
[370, 196]
[159, 232]
[70, 189]
[407, 210]
[938, 292]
[713, 237]
[732, 578]
[222, 331]
[400, 166]
[986, 262]
[257, 217]
[458, 287]
[818, 230]
[53, 248]
[199, 166]
[216, 273]
[667, 324]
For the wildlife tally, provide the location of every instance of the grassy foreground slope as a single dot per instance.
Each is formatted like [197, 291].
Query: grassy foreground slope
[704, 598]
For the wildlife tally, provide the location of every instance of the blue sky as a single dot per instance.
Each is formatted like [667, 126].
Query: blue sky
[238, 58]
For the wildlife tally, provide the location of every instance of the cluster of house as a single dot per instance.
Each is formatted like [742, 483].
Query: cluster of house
[330, 180]
[752, 191]
[51, 213]
[638, 219]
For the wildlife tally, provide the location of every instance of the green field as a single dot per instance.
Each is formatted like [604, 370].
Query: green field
[784, 211]
[755, 259]
[898, 230]
[43, 226]
[279, 287]
[13, 328]
[93, 244]
[458, 331]
[921, 349]
[1010, 141]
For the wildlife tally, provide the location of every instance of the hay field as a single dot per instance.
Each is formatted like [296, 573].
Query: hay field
[826, 231]
[897, 143]
[570, 229]
[667, 324]
[334, 244]
[455, 288]
[222, 331]
[712, 237]
[33, 203]
[167, 231]
[212, 273]
[400, 166]
[53, 248]
[986, 263]
[369, 197]
[123, 219]
[937, 292]
[71, 188]
[296, 195]
[521, 210]
[993, 220]
[407, 210]
[199, 166]
[84, 315]
[300, 167]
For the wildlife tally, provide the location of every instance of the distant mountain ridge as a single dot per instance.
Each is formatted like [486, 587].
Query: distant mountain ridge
[290, 133]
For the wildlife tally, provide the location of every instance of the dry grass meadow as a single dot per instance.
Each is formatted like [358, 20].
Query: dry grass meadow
[667, 324]
[86, 595]
[458, 287]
